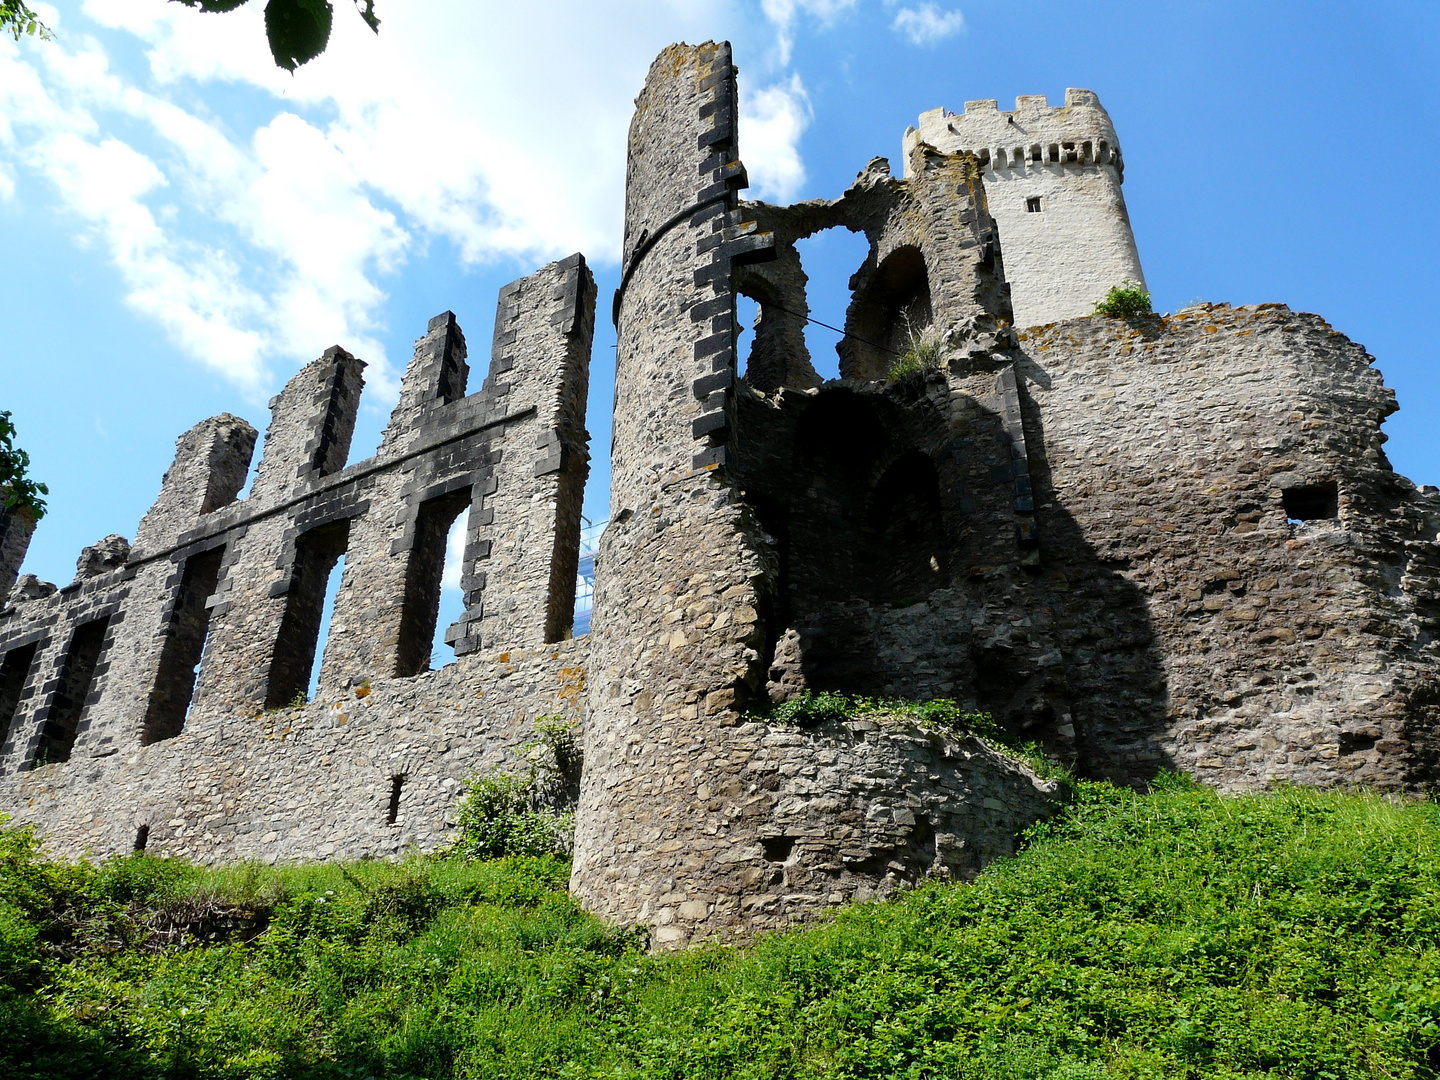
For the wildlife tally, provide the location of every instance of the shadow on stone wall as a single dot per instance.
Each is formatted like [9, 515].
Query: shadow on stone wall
[893, 515]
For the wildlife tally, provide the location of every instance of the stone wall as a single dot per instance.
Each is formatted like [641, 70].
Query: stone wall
[1227, 464]
[1168, 542]
[345, 777]
[16, 527]
[1053, 176]
[108, 724]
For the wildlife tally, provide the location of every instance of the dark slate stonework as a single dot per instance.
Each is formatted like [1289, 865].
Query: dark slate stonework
[1169, 542]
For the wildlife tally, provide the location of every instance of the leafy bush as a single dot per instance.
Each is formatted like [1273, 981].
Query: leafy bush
[527, 814]
[499, 816]
[1125, 301]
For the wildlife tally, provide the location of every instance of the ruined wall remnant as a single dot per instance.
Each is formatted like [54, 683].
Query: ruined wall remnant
[1168, 542]
[163, 687]
[1053, 177]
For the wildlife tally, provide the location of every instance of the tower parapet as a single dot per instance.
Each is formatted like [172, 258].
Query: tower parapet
[1053, 177]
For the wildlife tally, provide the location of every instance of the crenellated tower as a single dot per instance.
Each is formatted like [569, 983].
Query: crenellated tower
[1053, 177]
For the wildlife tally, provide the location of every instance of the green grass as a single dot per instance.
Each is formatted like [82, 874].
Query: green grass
[1177, 933]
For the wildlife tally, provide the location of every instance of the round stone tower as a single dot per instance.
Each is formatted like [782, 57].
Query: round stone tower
[1053, 178]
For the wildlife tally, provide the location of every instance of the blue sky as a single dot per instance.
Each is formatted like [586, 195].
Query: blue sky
[182, 226]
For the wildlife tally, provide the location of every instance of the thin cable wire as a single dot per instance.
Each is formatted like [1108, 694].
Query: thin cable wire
[836, 329]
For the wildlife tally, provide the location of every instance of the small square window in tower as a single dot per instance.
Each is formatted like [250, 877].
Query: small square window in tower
[1032, 204]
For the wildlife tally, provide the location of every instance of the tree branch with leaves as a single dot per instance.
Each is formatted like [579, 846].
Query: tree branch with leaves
[298, 30]
[16, 18]
[17, 490]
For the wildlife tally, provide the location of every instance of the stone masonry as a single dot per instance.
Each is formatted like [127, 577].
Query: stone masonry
[1164, 542]
[1053, 176]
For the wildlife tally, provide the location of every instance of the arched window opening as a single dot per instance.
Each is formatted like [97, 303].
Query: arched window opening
[183, 648]
[747, 321]
[14, 675]
[424, 579]
[76, 685]
[888, 316]
[831, 258]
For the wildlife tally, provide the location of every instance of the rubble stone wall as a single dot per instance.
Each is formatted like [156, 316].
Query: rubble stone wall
[318, 782]
[1228, 465]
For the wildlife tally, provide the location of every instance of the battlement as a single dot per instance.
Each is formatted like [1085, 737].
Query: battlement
[215, 612]
[1034, 134]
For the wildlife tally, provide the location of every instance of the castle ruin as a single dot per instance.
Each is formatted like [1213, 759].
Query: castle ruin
[1165, 542]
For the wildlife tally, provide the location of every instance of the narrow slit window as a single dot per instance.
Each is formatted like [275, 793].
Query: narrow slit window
[1032, 204]
[1312, 502]
[142, 836]
[396, 783]
[424, 579]
[317, 553]
[184, 646]
[14, 673]
[77, 677]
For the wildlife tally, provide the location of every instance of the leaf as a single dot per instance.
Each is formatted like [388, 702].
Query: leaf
[298, 30]
[367, 12]
[213, 5]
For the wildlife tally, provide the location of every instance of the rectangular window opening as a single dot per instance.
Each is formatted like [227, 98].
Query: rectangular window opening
[142, 836]
[396, 783]
[585, 574]
[1312, 502]
[14, 673]
[77, 677]
[1032, 204]
[425, 580]
[184, 646]
[317, 554]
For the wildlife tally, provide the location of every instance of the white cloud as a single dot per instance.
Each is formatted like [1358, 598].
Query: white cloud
[455, 553]
[256, 236]
[191, 291]
[927, 24]
[783, 14]
[772, 120]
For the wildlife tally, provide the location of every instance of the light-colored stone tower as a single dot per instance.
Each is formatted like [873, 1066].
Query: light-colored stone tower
[1053, 178]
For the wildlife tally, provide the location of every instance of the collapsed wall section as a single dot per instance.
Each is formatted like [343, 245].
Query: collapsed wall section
[688, 815]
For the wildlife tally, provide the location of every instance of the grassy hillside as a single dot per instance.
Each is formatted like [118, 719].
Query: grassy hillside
[1173, 934]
